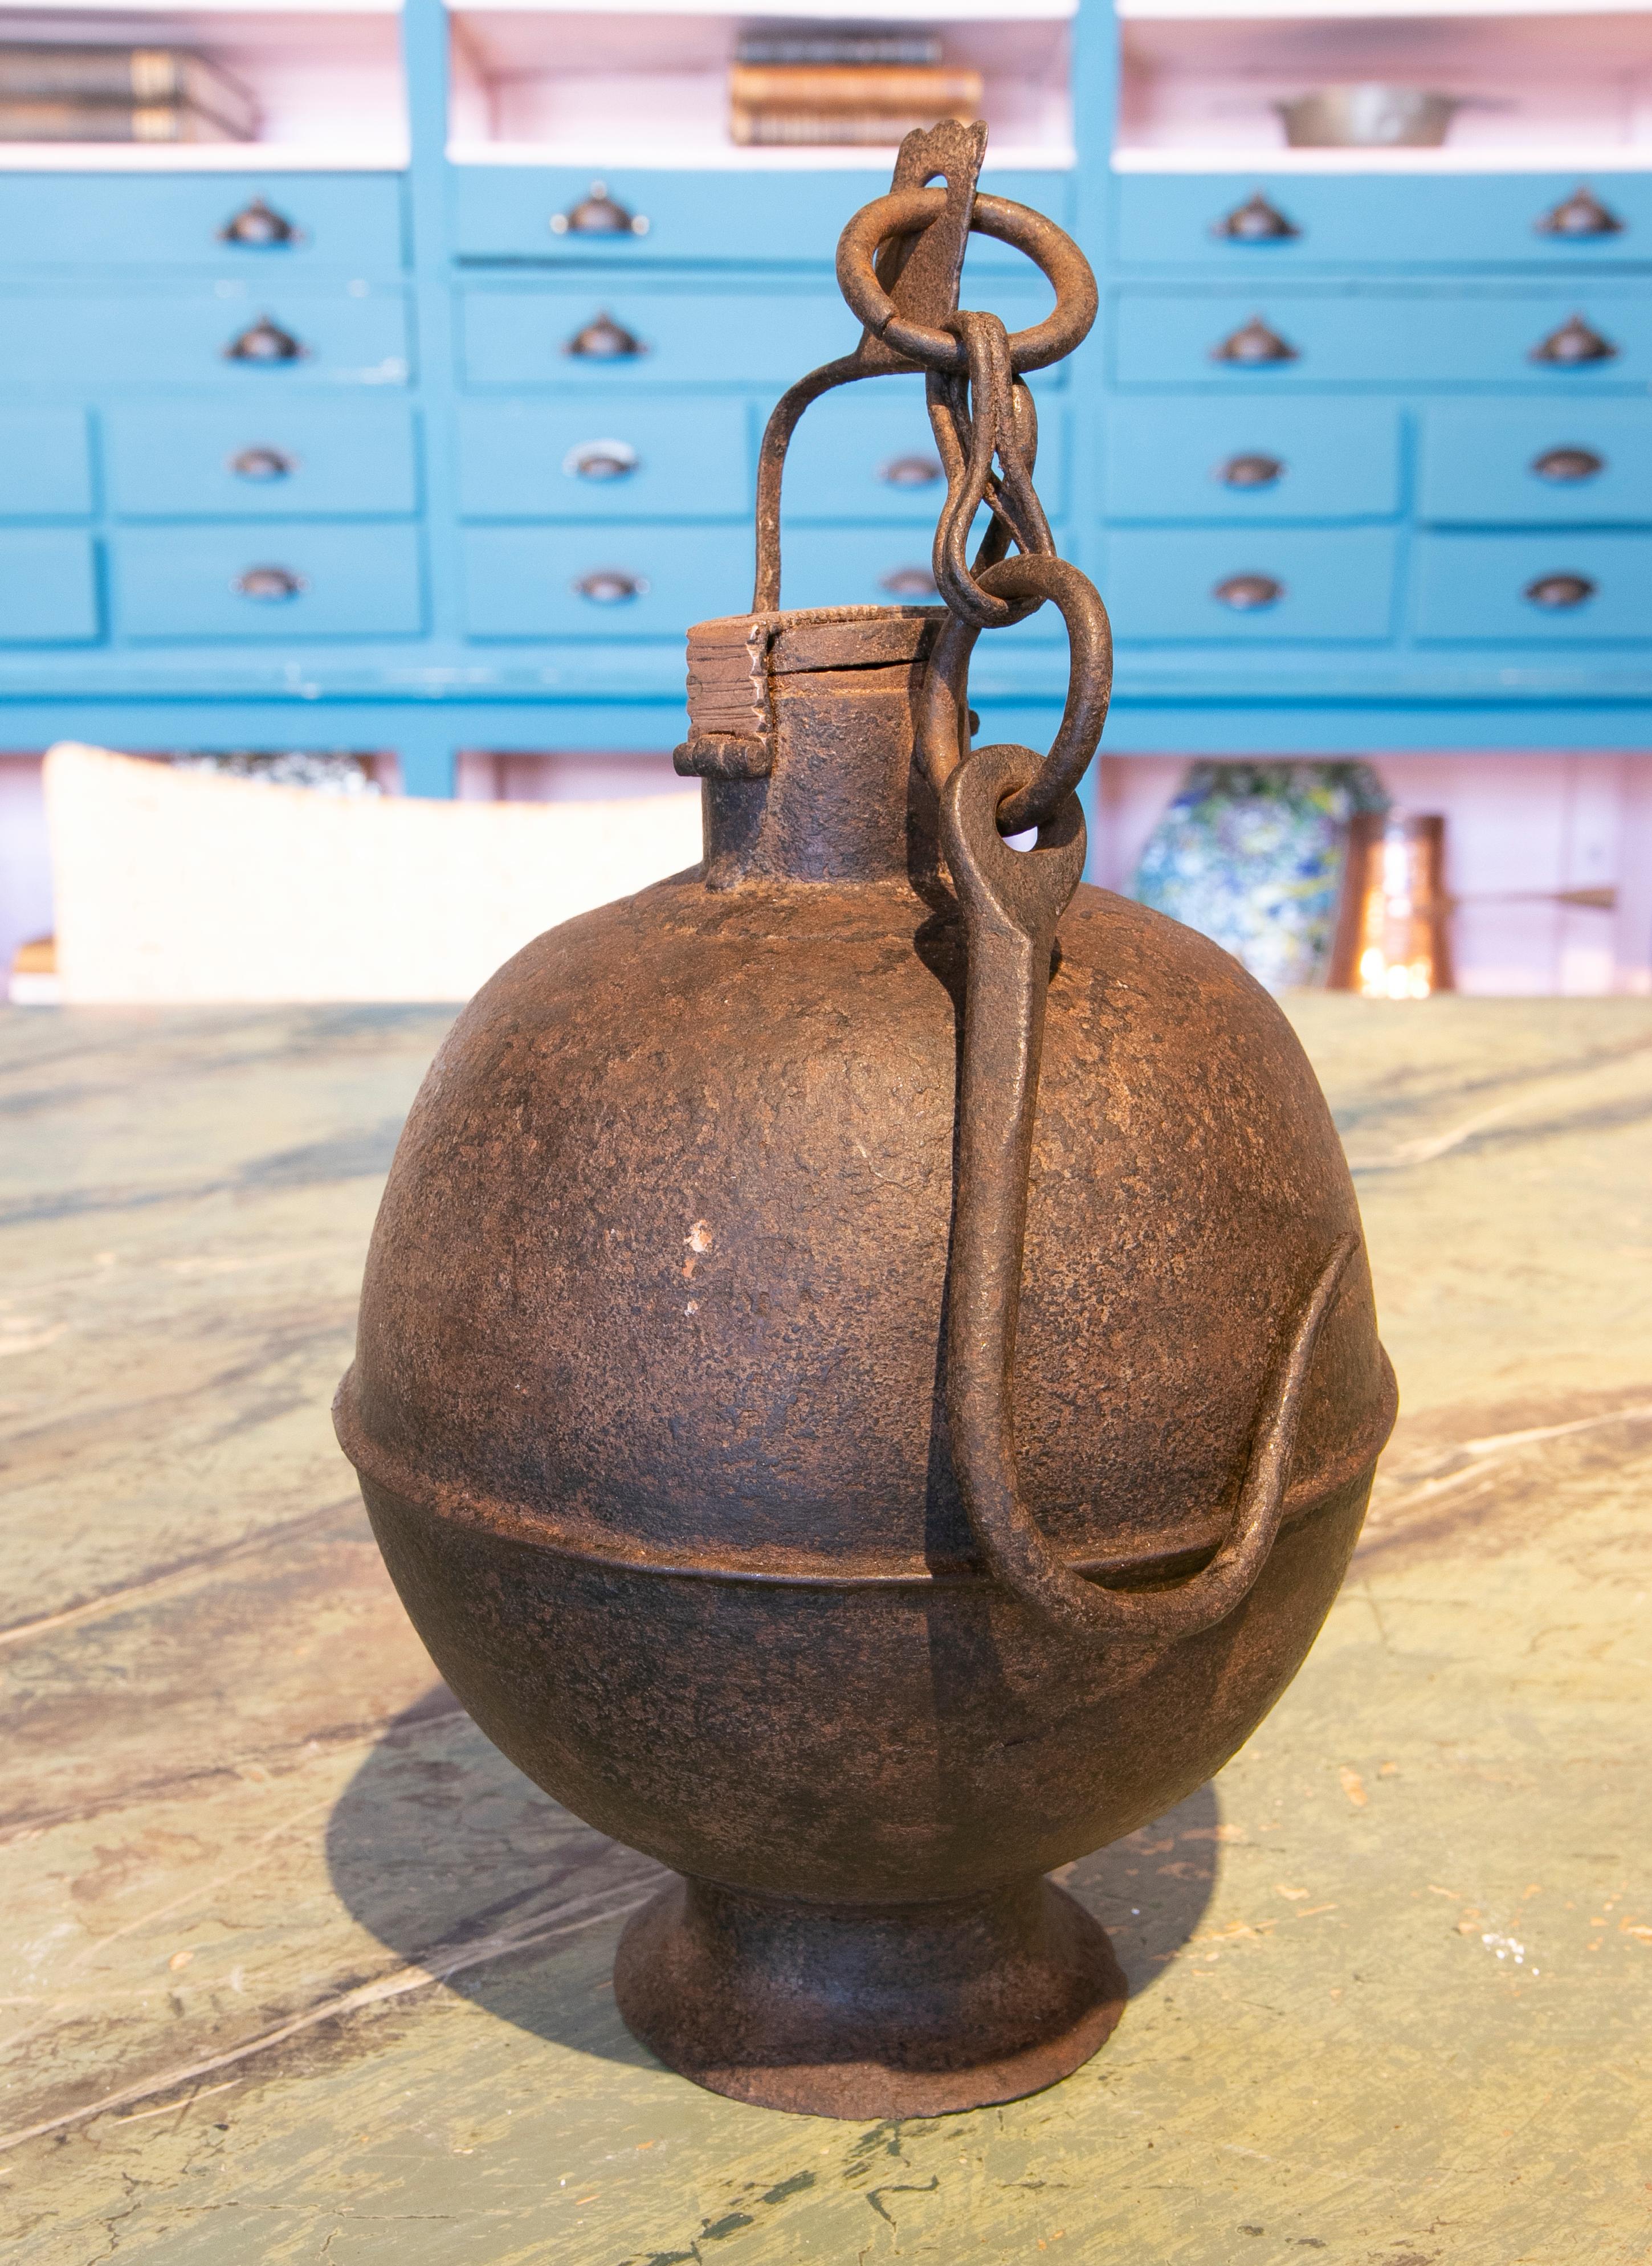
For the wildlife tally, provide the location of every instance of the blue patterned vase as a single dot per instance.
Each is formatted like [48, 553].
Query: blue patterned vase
[1251, 854]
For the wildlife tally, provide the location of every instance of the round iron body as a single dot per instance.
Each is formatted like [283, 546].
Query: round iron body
[647, 1409]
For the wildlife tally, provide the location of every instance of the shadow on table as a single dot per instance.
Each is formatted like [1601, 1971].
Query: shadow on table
[445, 1852]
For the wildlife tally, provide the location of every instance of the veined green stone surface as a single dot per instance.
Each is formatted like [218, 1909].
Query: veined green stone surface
[296, 1969]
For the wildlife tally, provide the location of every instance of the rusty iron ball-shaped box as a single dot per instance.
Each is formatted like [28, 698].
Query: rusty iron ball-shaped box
[867, 1383]
[647, 1412]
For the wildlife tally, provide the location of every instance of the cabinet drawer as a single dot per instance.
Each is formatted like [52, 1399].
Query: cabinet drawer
[120, 221]
[1327, 585]
[545, 334]
[638, 582]
[45, 466]
[867, 453]
[1536, 463]
[1261, 459]
[227, 582]
[503, 212]
[886, 566]
[1367, 334]
[1492, 587]
[211, 461]
[48, 587]
[1376, 221]
[541, 333]
[343, 336]
[591, 460]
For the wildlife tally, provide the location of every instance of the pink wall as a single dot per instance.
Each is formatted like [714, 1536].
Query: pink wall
[567, 778]
[1512, 823]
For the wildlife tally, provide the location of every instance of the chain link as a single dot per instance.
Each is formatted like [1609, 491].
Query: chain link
[985, 424]
[984, 412]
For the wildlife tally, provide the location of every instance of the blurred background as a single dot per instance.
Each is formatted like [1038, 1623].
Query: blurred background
[380, 399]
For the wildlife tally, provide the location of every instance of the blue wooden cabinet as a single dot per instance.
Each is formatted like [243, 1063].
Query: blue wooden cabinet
[435, 471]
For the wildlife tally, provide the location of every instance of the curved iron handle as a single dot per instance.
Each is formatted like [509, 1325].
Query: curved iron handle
[924, 346]
[898, 264]
[1012, 901]
[945, 724]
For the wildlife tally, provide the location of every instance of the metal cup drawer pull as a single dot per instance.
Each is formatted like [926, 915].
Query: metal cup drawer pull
[262, 463]
[601, 460]
[610, 586]
[1251, 469]
[1256, 221]
[1568, 463]
[1580, 215]
[603, 339]
[916, 472]
[1248, 594]
[269, 585]
[1558, 592]
[265, 341]
[597, 213]
[909, 582]
[1254, 344]
[258, 227]
[1575, 344]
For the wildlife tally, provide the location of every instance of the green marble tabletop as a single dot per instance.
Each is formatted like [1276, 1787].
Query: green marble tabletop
[297, 1969]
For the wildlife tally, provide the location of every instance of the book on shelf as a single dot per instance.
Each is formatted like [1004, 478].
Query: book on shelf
[777, 104]
[129, 79]
[23, 121]
[840, 44]
[823, 90]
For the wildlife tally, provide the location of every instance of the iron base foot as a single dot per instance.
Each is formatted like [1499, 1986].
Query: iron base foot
[871, 2011]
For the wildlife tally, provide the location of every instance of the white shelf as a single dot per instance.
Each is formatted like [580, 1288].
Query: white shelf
[1587, 161]
[858, 11]
[1536, 91]
[1218, 11]
[327, 80]
[13, 21]
[198, 158]
[694, 157]
[612, 87]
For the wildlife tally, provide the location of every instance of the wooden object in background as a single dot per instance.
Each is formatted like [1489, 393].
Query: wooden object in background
[34, 73]
[23, 119]
[119, 94]
[813, 103]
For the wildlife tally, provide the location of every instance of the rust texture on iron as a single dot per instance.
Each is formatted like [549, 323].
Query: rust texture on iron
[868, 1382]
